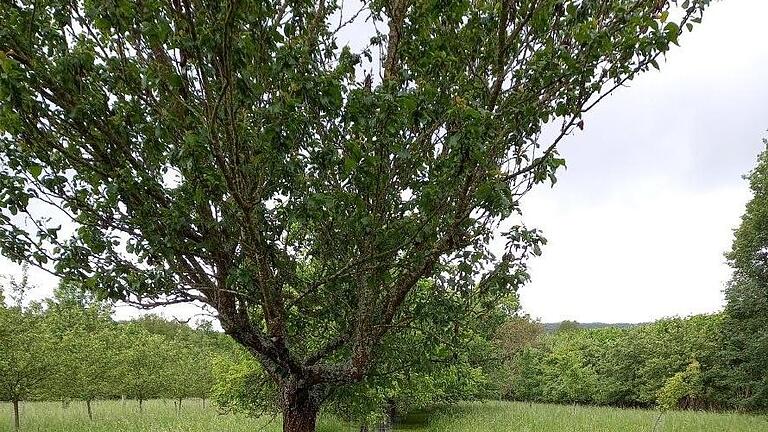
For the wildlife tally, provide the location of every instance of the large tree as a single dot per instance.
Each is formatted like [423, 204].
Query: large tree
[238, 154]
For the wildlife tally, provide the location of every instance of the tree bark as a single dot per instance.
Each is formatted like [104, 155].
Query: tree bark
[16, 423]
[300, 408]
[88, 408]
[301, 419]
[141, 406]
[179, 405]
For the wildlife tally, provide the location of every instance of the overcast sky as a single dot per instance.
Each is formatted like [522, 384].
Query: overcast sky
[638, 223]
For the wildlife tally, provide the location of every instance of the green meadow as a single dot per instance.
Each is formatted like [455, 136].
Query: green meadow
[162, 416]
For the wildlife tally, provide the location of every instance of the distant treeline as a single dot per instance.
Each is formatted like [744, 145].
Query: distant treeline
[670, 363]
[552, 327]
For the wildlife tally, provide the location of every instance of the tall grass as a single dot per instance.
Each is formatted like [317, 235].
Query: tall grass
[524, 417]
[155, 416]
[161, 416]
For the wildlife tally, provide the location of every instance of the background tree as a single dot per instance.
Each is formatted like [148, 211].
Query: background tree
[746, 318]
[81, 328]
[568, 374]
[142, 360]
[235, 155]
[188, 372]
[683, 389]
[26, 363]
[518, 332]
[568, 326]
[206, 343]
[515, 335]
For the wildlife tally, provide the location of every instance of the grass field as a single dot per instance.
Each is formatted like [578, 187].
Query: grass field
[160, 416]
[522, 417]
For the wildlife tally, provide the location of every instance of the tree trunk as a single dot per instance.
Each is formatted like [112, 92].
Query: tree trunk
[300, 419]
[390, 411]
[141, 406]
[88, 408]
[203, 402]
[16, 423]
[179, 405]
[300, 408]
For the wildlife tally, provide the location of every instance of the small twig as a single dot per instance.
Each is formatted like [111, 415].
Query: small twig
[658, 421]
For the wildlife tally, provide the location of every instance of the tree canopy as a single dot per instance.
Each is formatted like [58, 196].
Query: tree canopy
[240, 155]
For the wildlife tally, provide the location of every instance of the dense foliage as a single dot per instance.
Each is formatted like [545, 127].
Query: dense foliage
[670, 363]
[747, 296]
[234, 154]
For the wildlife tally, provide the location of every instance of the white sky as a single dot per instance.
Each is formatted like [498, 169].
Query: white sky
[638, 224]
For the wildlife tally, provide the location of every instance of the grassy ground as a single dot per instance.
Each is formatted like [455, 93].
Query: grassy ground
[160, 416]
[522, 417]
[156, 416]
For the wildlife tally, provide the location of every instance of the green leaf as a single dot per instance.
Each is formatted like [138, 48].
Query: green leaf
[35, 170]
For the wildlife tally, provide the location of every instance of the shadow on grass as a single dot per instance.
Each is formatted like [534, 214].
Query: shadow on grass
[420, 420]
